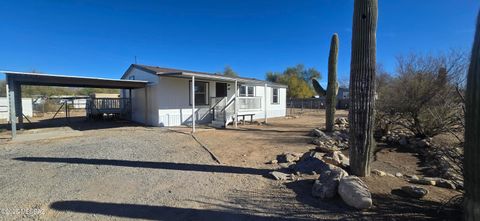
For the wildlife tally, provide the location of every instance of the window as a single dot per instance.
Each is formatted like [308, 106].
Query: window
[247, 91]
[131, 77]
[275, 96]
[201, 92]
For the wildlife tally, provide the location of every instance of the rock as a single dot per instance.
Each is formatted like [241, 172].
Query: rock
[272, 162]
[446, 184]
[423, 143]
[285, 165]
[318, 133]
[310, 162]
[326, 148]
[413, 177]
[440, 182]
[423, 181]
[403, 141]
[341, 120]
[414, 191]
[336, 158]
[318, 142]
[327, 184]
[282, 176]
[288, 157]
[389, 174]
[379, 172]
[398, 174]
[354, 192]
[332, 158]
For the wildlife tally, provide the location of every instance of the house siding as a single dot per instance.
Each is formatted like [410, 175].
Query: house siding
[169, 104]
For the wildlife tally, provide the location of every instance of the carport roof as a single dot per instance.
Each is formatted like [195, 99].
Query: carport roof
[26, 78]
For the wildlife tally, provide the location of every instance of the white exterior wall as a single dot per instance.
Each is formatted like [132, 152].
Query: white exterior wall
[169, 105]
[273, 110]
[26, 107]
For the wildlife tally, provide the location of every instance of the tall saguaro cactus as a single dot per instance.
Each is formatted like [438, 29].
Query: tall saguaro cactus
[362, 86]
[471, 162]
[332, 87]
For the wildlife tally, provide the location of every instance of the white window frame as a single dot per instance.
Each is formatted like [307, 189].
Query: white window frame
[246, 91]
[207, 91]
[273, 96]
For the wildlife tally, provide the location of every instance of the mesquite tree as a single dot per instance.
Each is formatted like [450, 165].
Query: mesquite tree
[332, 87]
[362, 86]
[472, 134]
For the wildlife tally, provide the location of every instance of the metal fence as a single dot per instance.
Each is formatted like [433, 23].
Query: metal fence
[296, 106]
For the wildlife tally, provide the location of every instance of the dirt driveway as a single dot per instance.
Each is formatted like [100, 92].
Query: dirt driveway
[131, 171]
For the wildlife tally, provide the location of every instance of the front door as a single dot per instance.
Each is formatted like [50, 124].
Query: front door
[220, 89]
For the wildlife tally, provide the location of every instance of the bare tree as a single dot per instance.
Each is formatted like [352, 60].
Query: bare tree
[472, 134]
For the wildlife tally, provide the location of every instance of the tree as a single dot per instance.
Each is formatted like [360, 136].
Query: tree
[3, 88]
[362, 86]
[228, 72]
[298, 80]
[423, 97]
[472, 134]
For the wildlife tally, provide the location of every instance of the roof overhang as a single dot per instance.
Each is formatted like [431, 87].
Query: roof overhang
[26, 78]
[220, 78]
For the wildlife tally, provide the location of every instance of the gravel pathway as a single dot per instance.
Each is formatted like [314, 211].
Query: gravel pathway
[135, 172]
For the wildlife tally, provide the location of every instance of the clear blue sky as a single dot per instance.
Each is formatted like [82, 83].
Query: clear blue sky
[101, 38]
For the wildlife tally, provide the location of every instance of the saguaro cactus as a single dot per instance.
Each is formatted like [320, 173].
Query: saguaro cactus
[332, 87]
[471, 162]
[362, 86]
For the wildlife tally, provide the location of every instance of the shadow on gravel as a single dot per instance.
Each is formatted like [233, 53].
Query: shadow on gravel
[136, 211]
[150, 164]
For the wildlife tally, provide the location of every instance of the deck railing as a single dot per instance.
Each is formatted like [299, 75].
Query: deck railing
[100, 106]
[249, 103]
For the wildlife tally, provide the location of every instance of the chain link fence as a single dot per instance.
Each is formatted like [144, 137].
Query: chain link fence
[299, 106]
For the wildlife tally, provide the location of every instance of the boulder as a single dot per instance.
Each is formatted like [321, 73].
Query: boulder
[319, 133]
[282, 176]
[327, 184]
[336, 158]
[354, 192]
[309, 163]
[379, 172]
[272, 162]
[440, 182]
[398, 174]
[288, 157]
[326, 148]
[414, 191]
[423, 181]
[341, 120]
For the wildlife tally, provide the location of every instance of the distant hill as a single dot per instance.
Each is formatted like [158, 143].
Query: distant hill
[29, 91]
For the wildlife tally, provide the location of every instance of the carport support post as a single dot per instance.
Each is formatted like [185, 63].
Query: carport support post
[193, 104]
[265, 98]
[235, 105]
[18, 104]
[11, 100]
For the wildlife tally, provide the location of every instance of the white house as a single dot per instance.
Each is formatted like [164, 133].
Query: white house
[167, 99]
[26, 104]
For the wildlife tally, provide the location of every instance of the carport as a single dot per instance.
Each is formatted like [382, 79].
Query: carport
[16, 79]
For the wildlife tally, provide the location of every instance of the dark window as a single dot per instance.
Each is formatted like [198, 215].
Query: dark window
[275, 96]
[201, 93]
[247, 91]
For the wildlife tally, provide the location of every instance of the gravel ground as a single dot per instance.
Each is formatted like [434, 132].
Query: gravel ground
[115, 171]
[136, 172]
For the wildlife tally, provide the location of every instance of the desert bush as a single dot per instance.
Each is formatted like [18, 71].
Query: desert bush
[425, 95]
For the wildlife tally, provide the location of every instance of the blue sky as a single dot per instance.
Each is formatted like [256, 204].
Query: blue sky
[101, 38]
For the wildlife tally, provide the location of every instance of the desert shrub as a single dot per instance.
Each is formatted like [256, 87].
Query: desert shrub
[425, 94]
